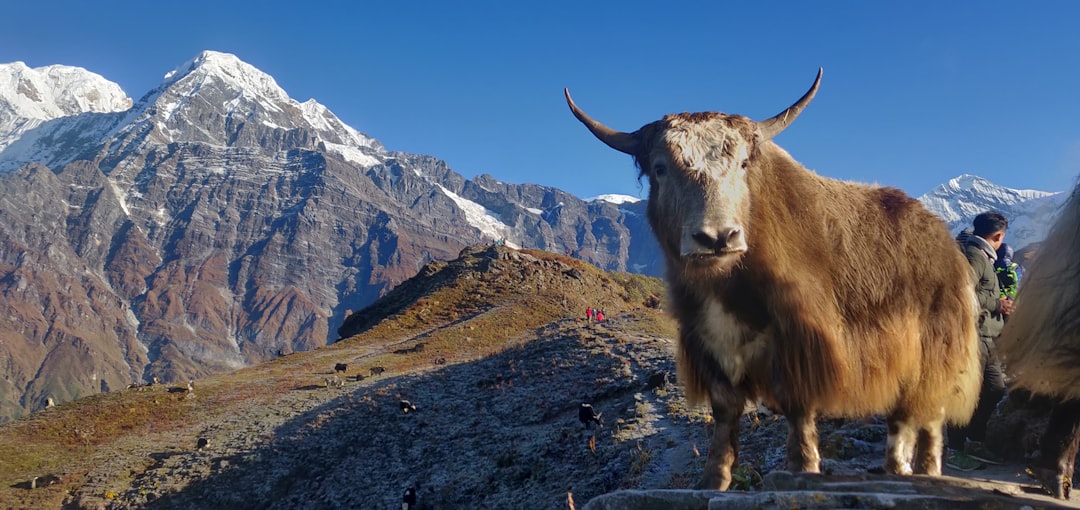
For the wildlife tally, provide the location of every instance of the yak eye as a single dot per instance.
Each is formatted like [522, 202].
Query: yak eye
[659, 169]
[746, 162]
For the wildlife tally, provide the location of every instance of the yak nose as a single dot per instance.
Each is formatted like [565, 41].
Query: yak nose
[721, 240]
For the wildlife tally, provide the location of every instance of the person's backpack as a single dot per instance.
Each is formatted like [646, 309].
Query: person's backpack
[1008, 272]
[1008, 278]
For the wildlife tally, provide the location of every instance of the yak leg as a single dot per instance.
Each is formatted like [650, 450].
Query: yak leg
[802, 442]
[928, 447]
[900, 445]
[727, 406]
[1053, 466]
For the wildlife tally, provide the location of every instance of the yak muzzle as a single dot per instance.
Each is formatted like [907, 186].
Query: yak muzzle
[724, 241]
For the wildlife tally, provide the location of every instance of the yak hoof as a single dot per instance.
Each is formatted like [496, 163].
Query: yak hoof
[714, 483]
[895, 467]
[1058, 485]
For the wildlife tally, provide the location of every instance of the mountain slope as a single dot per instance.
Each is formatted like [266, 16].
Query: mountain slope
[218, 223]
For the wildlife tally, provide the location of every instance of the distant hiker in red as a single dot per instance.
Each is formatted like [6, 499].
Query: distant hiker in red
[599, 316]
[589, 314]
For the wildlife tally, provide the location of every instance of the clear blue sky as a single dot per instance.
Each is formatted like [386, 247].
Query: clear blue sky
[914, 92]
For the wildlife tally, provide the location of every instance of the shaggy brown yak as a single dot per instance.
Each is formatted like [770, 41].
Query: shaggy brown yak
[818, 297]
[1041, 345]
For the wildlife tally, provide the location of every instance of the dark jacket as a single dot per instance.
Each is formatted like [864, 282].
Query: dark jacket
[981, 256]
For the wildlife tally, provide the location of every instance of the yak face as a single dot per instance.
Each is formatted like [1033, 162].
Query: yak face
[699, 199]
[697, 165]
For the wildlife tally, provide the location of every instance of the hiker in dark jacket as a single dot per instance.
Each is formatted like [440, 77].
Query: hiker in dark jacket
[980, 248]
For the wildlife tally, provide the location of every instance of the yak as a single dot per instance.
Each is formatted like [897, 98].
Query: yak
[587, 415]
[815, 296]
[1040, 345]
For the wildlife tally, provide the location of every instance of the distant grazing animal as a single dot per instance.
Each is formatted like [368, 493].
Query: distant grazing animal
[587, 415]
[341, 367]
[416, 348]
[1040, 345]
[407, 406]
[183, 389]
[358, 377]
[49, 402]
[202, 443]
[440, 360]
[817, 296]
[334, 382]
[377, 370]
[44, 481]
[143, 386]
[657, 380]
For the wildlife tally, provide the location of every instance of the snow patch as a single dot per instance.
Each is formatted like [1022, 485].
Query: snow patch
[479, 216]
[353, 155]
[614, 199]
[120, 197]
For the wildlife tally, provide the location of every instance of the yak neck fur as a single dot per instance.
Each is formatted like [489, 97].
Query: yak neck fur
[849, 344]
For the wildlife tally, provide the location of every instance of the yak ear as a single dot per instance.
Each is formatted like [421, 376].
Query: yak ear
[773, 126]
[622, 142]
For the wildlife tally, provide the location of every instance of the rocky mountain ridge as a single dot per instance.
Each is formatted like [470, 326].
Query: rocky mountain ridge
[218, 223]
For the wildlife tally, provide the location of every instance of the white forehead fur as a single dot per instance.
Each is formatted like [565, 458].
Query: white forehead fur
[707, 147]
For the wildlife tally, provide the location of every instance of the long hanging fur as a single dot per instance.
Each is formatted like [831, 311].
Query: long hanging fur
[867, 301]
[1040, 344]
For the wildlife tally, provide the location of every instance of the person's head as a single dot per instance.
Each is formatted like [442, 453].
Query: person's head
[991, 225]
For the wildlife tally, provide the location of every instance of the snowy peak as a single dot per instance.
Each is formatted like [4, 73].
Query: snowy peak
[968, 195]
[50, 92]
[1030, 212]
[59, 114]
[230, 71]
[32, 96]
[238, 99]
[614, 199]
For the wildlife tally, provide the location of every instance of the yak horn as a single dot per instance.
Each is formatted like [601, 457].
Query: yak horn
[772, 127]
[622, 142]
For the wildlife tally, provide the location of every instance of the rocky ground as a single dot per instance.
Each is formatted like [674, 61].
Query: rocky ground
[500, 432]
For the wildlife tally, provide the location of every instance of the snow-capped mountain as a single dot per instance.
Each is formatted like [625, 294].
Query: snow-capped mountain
[240, 93]
[1030, 212]
[30, 97]
[217, 222]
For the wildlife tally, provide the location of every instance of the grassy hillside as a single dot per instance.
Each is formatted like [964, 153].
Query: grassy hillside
[505, 345]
